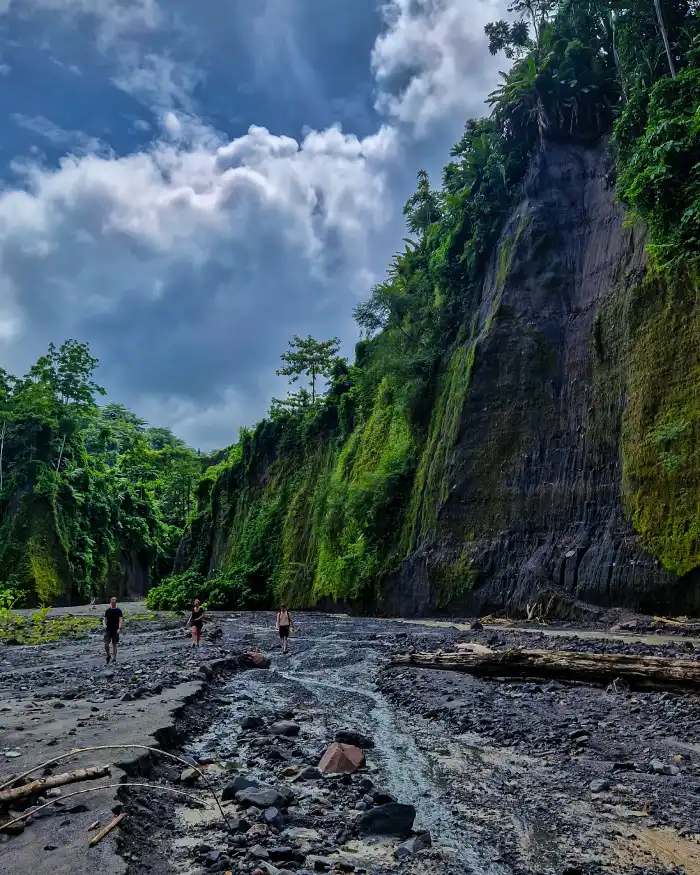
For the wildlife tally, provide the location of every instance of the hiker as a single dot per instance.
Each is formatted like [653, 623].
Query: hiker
[113, 625]
[196, 619]
[284, 624]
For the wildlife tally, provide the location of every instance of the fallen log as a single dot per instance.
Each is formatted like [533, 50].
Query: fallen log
[36, 788]
[639, 672]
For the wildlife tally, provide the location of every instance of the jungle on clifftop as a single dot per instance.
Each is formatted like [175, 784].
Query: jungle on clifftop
[521, 423]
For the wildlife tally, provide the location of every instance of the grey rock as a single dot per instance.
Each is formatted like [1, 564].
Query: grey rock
[394, 819]
[189, 776]
[285, 728]
[660, 768]
[252, 721]
[239, 783]
[273, 817]
[600, 786]
[261, 797]
[413, 846]
[357, 739]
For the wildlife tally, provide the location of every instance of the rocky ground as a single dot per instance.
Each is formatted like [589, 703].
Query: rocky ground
[502, 776]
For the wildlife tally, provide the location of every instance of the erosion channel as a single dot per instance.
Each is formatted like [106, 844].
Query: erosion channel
[506, 776]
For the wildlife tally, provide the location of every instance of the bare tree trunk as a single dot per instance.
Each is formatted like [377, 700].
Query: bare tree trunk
[664, 34]
[38, 787]
[60, 455]
[639, 672]
[2, 450]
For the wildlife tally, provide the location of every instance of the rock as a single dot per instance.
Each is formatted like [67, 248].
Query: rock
[378, 797]
[189, 776]
[660, 768]
[12, 754]
[393, 819]
[342, 759]
[255, 659]
[212, 858]
[15, 829]
[411, 847]
[601, 786]
[127, 697]
[362, 806]
[579, 735]
[285, 728]
[310, 773]
[239, 783]
[261, 797]
[50, 847]
[273, 817]
[252, 721]
[477, 626]
[282, 854]
[259, 852]
[300, 833]
[356, 739]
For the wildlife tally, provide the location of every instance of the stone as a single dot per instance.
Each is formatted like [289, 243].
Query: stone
[394, 819]
[282, 854]
[252, 721]
[255, 659]
[300, 833]
[259, 852]
[342, 759]
[413, 846]
[356, 739]
[239, 783]
[261, 797]
[285, 728]
[12, 754]
[660, 768]
[212, 858]
[600, 786]
[309, 773]
[273, 817]
[189, 776]
[379, 797]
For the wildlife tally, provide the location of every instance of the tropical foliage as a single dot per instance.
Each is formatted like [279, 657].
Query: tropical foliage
[86, 492]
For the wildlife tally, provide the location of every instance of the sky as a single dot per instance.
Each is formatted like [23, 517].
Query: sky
[187, 185]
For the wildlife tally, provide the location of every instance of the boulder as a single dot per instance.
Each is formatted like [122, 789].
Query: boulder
[341, 759]
[251, 721]
[357, 739]
[393, 819]
[285, 728]
[411, 847]
[239, 783]
[261, 797]
[189, 776]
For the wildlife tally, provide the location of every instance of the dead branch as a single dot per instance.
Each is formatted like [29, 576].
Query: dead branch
[42, 784]
[95, 840]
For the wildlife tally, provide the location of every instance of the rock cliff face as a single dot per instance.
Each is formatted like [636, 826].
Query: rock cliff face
[561, 466]
[523, 484]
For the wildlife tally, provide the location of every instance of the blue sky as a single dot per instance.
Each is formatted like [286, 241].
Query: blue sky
[187, 185]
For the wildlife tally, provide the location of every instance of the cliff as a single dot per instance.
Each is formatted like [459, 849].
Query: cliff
[559, 463]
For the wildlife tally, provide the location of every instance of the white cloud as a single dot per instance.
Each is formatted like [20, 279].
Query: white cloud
[432, 59]
[114, 18]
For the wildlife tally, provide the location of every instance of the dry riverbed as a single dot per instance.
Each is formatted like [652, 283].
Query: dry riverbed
[505, 777]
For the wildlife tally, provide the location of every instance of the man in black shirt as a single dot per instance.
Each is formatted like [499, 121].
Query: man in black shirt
[113, 625]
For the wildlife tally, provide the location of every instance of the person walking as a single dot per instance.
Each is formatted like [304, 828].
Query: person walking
[196, 620]
[284, 625]
[112, 623]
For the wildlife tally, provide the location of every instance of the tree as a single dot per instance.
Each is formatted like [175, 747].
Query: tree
[311, 358]
[664, 35]
[511, 39]
[422, 209]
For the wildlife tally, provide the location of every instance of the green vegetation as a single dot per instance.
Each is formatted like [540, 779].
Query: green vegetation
[349, 475]
[85, 491]
[332, 491]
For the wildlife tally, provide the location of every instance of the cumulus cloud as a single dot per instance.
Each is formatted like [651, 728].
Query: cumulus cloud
[113, 18]
[183, 252]
[189, 264]
[432, 59]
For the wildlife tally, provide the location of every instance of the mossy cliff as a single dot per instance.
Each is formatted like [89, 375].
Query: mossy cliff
[558, 463]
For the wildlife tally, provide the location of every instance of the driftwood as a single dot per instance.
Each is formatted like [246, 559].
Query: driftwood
[36, 788]
[107, 830]
[638, 672]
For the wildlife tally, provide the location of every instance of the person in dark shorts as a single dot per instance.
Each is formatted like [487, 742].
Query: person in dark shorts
[112, 623]
[284, 625]
[196, 620]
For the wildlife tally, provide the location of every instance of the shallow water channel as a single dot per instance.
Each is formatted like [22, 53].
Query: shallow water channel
[329, 681]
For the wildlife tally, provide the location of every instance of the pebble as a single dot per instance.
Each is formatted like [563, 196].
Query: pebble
[661, 768]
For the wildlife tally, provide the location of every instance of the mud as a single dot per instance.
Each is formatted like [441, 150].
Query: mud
[499, 773]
